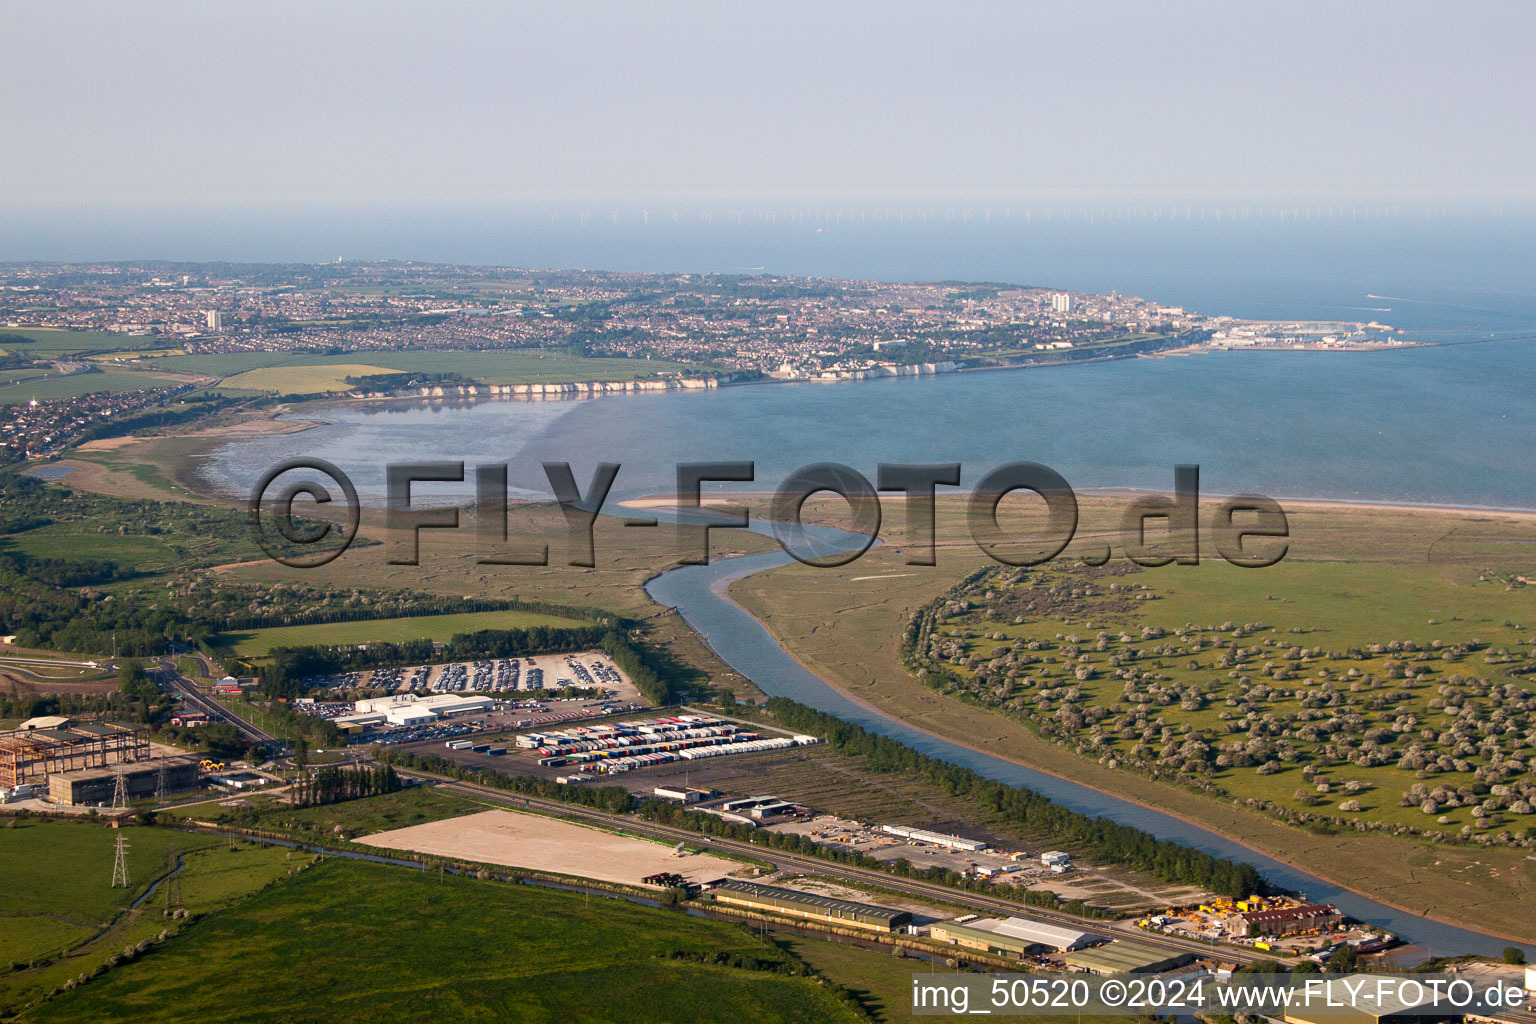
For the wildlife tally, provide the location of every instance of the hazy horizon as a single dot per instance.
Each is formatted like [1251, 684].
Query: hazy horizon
[344, 103]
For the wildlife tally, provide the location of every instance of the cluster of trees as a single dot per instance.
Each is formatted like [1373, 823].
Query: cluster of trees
[62, 572]
[1099, 839]
[1120, 695]
[136, 699]
[52, 603]
[655, 680]
[333, 785]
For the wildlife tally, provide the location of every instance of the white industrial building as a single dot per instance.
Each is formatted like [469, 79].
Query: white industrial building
[1013, 934]
[1057, 861]
[919, 835]
[407, 709]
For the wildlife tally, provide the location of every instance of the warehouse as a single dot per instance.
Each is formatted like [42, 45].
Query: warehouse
[1011, 936]
[406, 710]
[93, 786]
[1332, 1003]
[443, 705]
[1120, 957]
[920, 835]
[810, 906]
[410, 714]
[1309, 917]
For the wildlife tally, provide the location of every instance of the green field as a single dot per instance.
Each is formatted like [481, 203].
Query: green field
[1343, 669]
[57, 888]
[422, 627]
[61, 921]
[451, 949]
[51, 343]
[414, 805]
[139, 553]
[74, 385]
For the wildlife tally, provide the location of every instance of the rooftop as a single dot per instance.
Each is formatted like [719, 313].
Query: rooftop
[809, 899]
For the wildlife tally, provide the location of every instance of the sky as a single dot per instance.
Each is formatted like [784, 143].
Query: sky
[336, 102]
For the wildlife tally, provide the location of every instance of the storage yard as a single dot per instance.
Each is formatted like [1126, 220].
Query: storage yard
[597, 741]
[1281, 924]
[613, 748]
[538, 843]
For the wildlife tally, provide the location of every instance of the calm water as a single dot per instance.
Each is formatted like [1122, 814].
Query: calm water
[1452, 425]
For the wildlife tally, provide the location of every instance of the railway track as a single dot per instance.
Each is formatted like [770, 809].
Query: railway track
[784, 860]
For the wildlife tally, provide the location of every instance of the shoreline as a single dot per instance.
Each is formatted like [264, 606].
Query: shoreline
[672, 501]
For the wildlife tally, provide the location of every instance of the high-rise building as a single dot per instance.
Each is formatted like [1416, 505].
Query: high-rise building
[1061, 302]
[215, 320]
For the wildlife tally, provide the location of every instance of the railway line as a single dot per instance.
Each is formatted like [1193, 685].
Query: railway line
[784, 860]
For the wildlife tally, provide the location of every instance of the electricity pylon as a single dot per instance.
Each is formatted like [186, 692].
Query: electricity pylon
[120, 864]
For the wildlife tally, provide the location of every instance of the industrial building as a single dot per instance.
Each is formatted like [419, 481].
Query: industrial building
[1121, 957]
[95, 786]
[1011, 936]
[46, 746]
[1332, 1003]
[810, 906]
[407, 710]
[1308, 917]
[919, 835]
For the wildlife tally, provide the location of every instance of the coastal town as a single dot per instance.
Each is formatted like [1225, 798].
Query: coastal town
[80, 343]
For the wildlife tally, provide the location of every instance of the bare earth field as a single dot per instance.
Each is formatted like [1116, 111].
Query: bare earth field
[547, 844]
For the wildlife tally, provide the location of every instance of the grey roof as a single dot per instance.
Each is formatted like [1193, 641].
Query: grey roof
[810, 899]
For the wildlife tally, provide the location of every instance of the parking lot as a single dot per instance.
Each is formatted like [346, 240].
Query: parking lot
[523, 700]
[587, 669]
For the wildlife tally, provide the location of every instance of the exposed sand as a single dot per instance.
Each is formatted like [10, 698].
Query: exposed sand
[1289, 504]
[672, 501]
[107, 444]
[548, 844]
[256, 426]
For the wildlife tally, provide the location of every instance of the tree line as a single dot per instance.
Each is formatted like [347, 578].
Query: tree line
[333, 785]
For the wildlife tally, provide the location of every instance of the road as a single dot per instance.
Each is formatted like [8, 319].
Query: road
[165, 674]
[812, 865]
